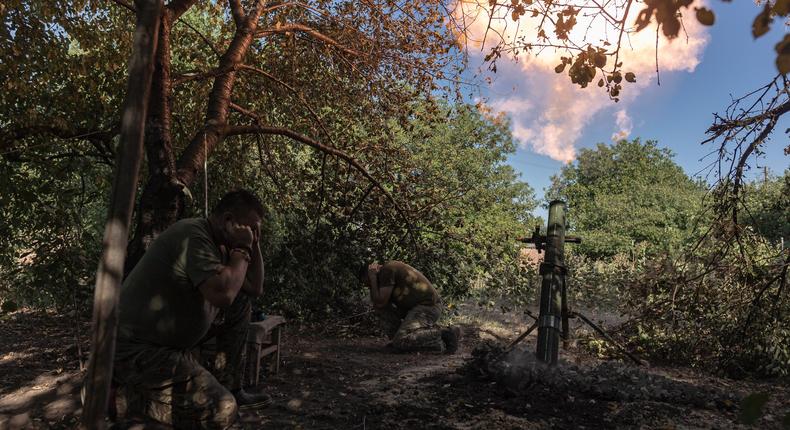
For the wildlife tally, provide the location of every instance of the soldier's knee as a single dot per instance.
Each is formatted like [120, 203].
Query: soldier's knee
[400, 341]
[226, 412]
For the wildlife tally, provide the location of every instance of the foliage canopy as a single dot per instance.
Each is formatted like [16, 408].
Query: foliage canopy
[629, 194]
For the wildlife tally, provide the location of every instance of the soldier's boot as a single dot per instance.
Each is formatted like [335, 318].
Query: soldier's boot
[451, 336]
[247, 400]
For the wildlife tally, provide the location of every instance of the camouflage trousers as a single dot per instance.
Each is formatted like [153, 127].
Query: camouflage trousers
[172, 386]
[416, 331]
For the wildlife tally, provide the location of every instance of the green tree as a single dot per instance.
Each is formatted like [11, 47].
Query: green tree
[222, 69]
[52, 212]
[625, 195]
[447, 165]
[462, 206]
[766, 208]
[473, 201]
[592, 36]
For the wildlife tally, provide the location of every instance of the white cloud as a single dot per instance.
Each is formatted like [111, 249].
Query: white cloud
[550, 114]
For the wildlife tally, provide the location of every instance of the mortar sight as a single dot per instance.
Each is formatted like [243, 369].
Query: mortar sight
[539, 240]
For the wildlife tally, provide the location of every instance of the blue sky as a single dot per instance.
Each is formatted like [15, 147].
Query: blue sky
[678, 112]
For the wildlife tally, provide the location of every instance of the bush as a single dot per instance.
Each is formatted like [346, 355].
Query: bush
[723, 309]
[599, 283]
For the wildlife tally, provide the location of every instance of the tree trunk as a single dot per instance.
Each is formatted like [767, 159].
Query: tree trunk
[161, 204]
[162, 201]
[110, 271]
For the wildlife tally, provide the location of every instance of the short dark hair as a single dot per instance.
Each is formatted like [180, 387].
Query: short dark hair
[237, 201]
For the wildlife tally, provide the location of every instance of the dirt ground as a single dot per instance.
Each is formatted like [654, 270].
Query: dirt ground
[340, 376]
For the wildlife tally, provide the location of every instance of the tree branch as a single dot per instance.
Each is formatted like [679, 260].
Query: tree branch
[274, 6]
[294, 92]
[211, 134]
[61, 132]
[126, 5]
[717, 130]
[301, 28]
[195, 75]
[237, 10]
[177, 7]
[280, 131]
[202, 36]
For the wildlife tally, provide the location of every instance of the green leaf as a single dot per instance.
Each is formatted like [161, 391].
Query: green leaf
[752, 408]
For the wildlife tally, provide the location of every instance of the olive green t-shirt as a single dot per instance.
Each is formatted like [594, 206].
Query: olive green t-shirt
[410, 288]
[160, 300]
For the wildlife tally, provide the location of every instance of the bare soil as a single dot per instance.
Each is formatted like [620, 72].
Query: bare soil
[337, 376]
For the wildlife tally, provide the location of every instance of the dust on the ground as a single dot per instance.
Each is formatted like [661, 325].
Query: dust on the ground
[340, 376]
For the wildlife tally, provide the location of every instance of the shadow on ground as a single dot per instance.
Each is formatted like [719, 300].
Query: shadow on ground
[347, 380]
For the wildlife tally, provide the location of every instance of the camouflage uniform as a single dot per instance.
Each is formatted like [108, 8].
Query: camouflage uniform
[172, 386]
[411, 317]
[164, 318]
[417, 331]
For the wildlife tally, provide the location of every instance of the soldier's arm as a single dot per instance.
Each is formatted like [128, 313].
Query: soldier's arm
[221, 289]
[253, 282]
[380, 294]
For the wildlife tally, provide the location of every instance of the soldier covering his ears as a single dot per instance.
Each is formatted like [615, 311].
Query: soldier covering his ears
[194, 283]
[409, 307]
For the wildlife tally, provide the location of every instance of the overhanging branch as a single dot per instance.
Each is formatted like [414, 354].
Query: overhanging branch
[301, 28]
[11, 135]
[178, 7]
[293, 90]
[237, 130]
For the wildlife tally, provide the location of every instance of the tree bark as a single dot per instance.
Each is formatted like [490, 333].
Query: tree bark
[109, 273]
[162, 202]
[191, 161]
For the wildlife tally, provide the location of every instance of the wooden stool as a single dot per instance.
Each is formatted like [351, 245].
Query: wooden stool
[263, 339]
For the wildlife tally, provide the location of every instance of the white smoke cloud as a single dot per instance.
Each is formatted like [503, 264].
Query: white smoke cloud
[549, 114]
[624, 125]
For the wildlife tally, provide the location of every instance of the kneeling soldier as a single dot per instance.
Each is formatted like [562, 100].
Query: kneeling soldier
[410, 307]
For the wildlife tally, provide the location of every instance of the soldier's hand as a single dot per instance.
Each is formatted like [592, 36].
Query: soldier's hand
[239, 236]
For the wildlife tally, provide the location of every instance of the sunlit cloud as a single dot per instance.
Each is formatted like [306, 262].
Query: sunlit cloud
[624, 125]
[549, 114]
